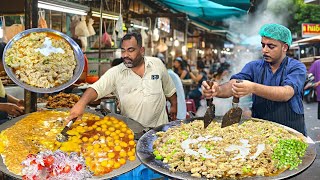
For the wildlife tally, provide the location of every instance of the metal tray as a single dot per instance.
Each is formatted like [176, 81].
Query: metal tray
[145, 154]
[133, 125]
[77, 52]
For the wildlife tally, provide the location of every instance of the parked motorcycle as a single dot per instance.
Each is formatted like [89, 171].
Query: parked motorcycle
[309, 93]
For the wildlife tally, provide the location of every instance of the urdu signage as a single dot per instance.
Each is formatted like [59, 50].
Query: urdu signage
[309, 29]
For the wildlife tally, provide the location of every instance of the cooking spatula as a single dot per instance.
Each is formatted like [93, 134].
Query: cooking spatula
[233, 116]
[209, 115]
[63, 136]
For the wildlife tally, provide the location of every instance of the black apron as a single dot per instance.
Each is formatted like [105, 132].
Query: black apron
[3, 115]
[279, 112]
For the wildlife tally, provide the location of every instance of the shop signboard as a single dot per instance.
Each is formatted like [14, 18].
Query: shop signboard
[310, 29]
[178, 35]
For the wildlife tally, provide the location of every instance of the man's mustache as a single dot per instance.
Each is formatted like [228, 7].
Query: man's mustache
[127, 59]
[265, 56]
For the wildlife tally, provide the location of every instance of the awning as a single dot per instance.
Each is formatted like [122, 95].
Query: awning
[242, 4]
[314, 39]
[212, 29]
[204, 9]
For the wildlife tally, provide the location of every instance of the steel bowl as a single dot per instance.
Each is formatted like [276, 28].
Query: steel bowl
[77, 52]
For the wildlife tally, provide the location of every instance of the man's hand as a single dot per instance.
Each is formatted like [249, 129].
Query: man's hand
[76, 111]
[173, 113]
[13, 109]
[242, 88]
[210, 92]
[173, 107]
[20, 102]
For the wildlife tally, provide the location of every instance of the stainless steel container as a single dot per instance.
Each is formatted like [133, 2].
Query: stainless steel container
[109, 104]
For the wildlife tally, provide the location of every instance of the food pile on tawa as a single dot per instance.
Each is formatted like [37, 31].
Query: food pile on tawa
[254, 148]
[62, 100]
[5, 78]
[43, 60]
[105, 143]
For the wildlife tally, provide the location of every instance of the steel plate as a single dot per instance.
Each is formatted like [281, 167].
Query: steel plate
[77, 53]
[145, 154]
[133, 125]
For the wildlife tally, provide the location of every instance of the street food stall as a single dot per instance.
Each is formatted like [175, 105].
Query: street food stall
[107, 145]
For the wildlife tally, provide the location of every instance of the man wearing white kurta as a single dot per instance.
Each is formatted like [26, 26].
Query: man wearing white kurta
[142, 85]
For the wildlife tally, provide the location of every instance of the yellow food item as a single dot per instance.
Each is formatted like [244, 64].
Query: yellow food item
[108, 143]
[103, 150]
[32, 134]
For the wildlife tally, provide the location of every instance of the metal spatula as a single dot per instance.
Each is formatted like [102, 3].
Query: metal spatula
[210, 113]
[63, 136]
[233, 116]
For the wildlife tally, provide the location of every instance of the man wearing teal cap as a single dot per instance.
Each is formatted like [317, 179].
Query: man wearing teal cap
[276, 81]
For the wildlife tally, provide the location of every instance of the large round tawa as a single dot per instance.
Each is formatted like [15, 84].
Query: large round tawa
[133, 125]
[77, 53]
[145, 154]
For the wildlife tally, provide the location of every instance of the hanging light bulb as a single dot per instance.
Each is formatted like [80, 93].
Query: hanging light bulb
[176, 43]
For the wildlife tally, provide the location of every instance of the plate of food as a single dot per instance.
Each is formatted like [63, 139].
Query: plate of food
[43, 60]
[102, 145]
[255, 149]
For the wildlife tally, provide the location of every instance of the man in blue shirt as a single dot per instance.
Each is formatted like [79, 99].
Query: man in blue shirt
[276, 81]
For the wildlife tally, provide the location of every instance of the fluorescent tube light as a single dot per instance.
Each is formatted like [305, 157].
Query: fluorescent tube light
[140, 27]
[105, 15]
[56, 7]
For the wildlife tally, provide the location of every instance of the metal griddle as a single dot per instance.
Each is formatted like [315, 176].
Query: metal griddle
[133, 125]
[145, 154]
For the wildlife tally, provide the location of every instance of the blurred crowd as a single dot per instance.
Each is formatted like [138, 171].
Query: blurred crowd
[192, 76]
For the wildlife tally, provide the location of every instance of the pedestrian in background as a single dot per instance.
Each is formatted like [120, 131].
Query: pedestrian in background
[201, 76]
[181, 98]
[9, 105]
[315, 70]
[180, 68]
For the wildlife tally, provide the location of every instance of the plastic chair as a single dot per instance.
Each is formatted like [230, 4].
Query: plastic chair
[191, 106]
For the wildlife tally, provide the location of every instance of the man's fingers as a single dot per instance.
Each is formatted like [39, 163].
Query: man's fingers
[205, 85]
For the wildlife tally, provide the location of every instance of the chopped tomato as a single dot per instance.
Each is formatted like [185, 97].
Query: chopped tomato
[79, 167]
[40, 167]
[33, 162]
[48, 161]
[31, 155]
[66, 169]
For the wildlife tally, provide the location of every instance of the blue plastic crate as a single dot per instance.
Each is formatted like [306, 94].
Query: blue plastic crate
[140, 173]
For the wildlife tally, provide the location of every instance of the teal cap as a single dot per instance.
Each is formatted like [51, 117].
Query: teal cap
[277, 32]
